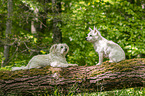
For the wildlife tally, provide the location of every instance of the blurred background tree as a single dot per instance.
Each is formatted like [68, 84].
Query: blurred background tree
[7, 33]
[37, 24]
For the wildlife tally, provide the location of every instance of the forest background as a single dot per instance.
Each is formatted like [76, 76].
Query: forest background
[30, 27]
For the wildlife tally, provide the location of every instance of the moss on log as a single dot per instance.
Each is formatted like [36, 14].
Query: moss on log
[108, 76]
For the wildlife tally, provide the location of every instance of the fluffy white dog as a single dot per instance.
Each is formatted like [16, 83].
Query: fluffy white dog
[56, 58]
[104, 47]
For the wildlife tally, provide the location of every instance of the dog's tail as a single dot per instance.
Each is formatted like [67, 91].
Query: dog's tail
[19, 68]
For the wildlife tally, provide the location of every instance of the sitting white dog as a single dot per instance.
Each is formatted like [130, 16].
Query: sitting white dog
[104, 47]
[56, 58]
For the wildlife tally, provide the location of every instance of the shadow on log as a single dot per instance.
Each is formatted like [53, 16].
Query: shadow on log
[108, 76]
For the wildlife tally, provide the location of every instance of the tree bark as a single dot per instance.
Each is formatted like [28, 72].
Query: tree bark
[108, 76]
[34, 22]
[56, 9]
[7, 33]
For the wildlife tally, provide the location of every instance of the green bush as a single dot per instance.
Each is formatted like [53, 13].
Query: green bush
[120, 21]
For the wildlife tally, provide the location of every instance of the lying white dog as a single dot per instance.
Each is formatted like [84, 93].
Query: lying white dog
[104, 47]
[56, 58]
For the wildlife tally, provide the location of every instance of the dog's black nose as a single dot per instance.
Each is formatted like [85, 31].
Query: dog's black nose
[65, 49]
[86, 38]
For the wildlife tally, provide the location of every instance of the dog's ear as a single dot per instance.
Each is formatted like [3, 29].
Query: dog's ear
[90, 29]
[94, 28]
[53, 48]
[97, 32]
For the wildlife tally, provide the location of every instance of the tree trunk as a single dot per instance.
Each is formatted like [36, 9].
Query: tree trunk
[34, 23]
[108, 76]
[56, 9]
[7, 33]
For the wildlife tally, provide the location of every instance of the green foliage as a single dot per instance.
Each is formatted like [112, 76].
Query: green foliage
[120, 21]
[117, 20]
[123, 92]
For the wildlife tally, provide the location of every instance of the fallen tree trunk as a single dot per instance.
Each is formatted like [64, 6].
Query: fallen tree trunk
[108, 76]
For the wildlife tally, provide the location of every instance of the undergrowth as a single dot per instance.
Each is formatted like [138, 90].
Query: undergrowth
[122, 92]
[140, 91]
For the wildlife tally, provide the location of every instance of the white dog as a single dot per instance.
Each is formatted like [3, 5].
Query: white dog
[56, 58]
[104, 47]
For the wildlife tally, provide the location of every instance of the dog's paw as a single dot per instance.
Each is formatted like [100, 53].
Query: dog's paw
[110, 61]
[75, 64]
[98, 64]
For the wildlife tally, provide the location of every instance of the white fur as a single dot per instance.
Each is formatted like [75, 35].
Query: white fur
[56, 58]
[105, 48]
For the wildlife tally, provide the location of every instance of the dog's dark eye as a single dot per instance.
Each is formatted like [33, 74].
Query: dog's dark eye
[90, 35]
